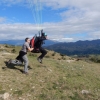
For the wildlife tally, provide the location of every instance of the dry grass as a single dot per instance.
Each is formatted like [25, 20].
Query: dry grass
[55, 79]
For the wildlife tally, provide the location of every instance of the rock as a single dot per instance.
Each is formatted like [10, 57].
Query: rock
[69, 61]
[49, 70]
[20, 98]
[85, 92]
[4, 96]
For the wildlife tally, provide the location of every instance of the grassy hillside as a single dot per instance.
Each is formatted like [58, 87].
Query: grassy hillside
[58, 78]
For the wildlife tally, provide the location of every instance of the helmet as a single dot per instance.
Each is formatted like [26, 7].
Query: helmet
[43, 34]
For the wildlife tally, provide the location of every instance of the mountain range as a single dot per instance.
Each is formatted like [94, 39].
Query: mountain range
[71, 48]
[20, 42]
[77, 48]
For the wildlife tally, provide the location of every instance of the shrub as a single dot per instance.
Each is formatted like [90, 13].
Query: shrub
[75, 97]
[18, 92]
[95, 58]
[59, 58]
[47, 56]
[54, 54]
[63, 57]
[13, 50]
[9, 46]
[62, 54]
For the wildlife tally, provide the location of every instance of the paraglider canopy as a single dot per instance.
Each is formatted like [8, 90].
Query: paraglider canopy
[36, 8]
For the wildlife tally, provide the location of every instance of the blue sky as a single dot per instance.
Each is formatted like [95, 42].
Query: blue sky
[62, 20]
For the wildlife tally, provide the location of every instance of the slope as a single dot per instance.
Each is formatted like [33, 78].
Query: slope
[58, 78]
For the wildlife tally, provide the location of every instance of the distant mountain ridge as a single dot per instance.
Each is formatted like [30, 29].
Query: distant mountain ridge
[12, 42]
[77, 48]
[20, 42]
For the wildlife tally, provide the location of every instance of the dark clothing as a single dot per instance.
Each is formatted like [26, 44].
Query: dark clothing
[43, 51]
[39, 42]
[21, 54]
[38, 47]
[23, 58]
[36, 50]
[23, 51]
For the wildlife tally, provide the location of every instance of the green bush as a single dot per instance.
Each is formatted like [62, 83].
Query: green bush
[63, 57]
[47, 56]
[95, 58]
[13, 50]
[18, 92]
[75, 97]
[6, 46]
[54, 54]
[62, 54]
[59, 58]
[9, 46]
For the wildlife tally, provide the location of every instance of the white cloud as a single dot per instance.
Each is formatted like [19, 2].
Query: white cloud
[60, 32]
[64, 39]
[83, 4]
[78, 17]
[16, 31]
[95, 35]
[2, 19]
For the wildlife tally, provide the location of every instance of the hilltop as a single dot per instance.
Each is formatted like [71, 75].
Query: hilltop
[60, 77]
